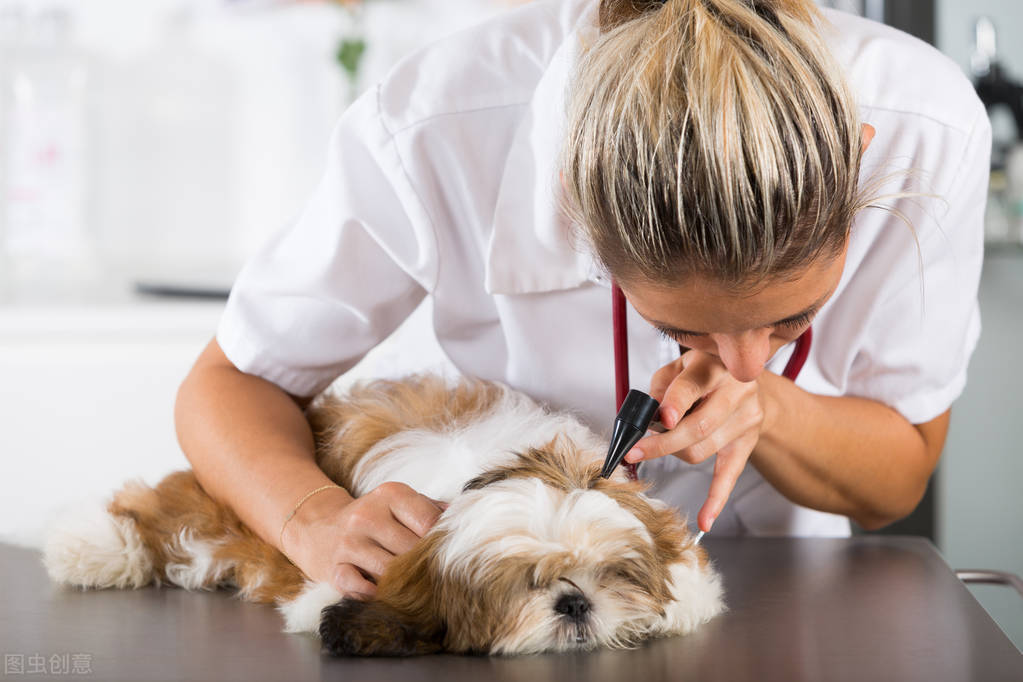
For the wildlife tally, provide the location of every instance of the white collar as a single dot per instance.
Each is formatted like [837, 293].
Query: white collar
[530, 250]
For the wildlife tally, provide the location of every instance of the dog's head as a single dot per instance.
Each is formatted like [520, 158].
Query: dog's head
[540, 555]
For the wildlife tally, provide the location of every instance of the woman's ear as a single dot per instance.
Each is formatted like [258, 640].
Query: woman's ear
[868, 135]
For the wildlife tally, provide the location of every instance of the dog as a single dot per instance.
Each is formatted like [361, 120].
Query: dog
[535, 552]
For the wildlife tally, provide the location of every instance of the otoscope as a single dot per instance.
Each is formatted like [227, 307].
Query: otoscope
[631, 423]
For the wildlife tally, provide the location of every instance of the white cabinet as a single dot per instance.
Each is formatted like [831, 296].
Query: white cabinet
[87, 396]
[87, 399]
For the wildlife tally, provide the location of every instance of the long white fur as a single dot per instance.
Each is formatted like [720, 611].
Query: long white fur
[302, 614]
[197, 569]
[524, 517]
[88, 547]
[698, 598]
[439, 463]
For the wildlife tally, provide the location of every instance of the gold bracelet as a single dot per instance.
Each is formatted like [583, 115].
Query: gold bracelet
[280, 539]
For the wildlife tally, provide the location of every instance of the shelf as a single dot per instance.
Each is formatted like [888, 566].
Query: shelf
[108, 309]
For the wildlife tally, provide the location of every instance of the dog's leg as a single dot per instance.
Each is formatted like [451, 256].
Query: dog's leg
[173, 533]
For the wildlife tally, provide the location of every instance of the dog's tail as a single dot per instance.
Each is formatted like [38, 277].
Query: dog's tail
[173, 533]
[89, 547]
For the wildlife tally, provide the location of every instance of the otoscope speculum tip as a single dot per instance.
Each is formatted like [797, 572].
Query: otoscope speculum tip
[632, 421]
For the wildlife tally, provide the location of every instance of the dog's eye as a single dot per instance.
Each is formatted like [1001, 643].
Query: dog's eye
[621, 573]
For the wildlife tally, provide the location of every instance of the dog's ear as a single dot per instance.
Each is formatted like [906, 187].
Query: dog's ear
[375, 628]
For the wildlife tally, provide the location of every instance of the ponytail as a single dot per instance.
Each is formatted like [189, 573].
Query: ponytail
[711, 137]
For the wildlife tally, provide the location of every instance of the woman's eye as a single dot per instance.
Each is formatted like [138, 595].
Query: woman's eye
[797, 322]
[677, 337]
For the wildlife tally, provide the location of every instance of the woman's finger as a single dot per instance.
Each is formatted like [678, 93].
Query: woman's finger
[732, 428]
[700, 375]
[371, 558]
[663, 377]
[395, 537]
[738, 414]
[416, 512]
[696, 427]
[349, 581]
[715, 421]
[731, 460]
[707, 428]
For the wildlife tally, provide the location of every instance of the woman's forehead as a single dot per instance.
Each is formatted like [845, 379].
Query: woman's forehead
[701, 305]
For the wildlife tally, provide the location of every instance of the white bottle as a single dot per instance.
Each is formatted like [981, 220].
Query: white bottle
[49, 248]
[12, 20]
[166, 194]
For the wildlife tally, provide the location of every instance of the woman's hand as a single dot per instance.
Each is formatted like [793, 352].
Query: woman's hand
[349, 542]
[722, 416]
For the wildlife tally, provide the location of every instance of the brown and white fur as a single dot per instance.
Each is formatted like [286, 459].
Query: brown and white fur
[535, 553]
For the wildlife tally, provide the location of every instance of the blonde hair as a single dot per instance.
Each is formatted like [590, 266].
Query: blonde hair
[711, 137]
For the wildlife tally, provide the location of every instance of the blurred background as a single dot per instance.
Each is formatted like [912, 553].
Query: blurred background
[147, 147]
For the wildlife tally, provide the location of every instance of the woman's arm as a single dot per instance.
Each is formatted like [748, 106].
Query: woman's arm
[845, 455]
[252, 449]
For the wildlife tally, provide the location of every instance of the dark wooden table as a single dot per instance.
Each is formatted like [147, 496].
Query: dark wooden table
[860, 609]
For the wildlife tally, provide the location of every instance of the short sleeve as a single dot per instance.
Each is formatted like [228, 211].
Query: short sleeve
[329, 287]
[920, 336]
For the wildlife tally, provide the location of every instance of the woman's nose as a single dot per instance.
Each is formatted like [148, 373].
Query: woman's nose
[744, 355]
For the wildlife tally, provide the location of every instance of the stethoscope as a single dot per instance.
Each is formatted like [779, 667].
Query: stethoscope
[621, 352]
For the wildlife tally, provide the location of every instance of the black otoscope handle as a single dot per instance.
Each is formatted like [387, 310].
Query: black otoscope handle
[632, 421]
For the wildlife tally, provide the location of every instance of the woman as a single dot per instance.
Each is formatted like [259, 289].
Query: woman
[706, 154]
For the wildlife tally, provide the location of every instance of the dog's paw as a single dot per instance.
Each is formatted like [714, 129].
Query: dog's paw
[372, 628]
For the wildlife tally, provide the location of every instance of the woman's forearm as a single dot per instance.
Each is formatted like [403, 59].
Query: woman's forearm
[248, 442]
[845, 455]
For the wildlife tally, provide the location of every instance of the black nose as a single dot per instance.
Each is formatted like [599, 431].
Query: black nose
[573, 605]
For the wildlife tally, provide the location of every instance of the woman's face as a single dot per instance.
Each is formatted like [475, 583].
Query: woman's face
[742, 328]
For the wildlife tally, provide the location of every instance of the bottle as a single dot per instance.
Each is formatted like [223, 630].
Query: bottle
[46, 235]
[166, 190]
[12, 26]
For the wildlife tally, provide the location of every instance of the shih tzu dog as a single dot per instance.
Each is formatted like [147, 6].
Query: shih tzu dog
[535, 552]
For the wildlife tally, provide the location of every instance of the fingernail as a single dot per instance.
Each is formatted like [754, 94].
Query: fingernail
[634, 455]
[710, 524]
[669, 418]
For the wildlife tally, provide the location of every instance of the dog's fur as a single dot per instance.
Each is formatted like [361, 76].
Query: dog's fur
[535, 553]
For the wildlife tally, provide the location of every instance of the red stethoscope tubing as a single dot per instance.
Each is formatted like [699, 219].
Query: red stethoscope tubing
[621, 351]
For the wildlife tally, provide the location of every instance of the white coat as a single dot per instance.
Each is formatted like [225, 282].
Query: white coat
[442, 182]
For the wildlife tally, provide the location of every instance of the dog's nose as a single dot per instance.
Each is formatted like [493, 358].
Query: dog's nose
[573, 605]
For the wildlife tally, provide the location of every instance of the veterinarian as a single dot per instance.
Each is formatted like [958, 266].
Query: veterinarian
[719, 159]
